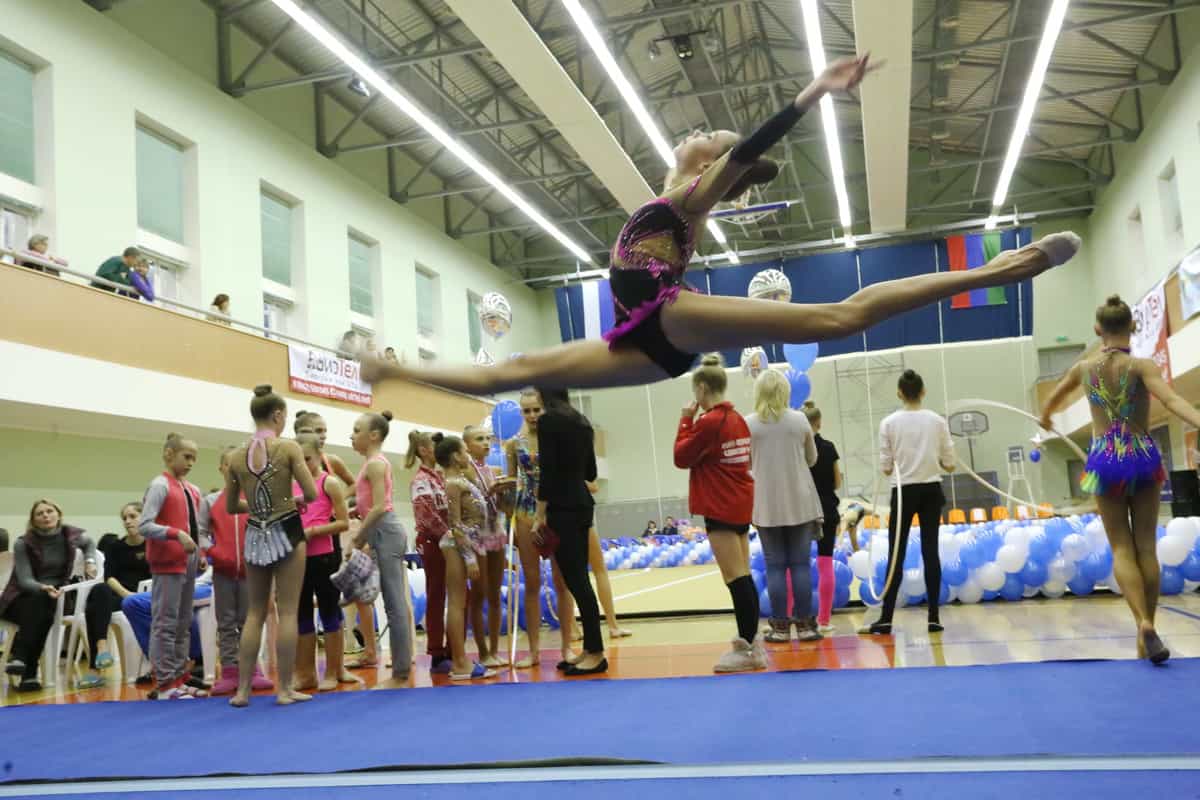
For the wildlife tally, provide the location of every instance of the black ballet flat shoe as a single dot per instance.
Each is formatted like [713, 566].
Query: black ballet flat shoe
[574, 671]
[30, 685]
[15, 668]
[881, 629]
[563, 665]
[936, 627]
[198, 683]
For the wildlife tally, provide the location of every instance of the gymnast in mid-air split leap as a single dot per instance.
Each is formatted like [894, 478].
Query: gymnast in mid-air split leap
[661, 328]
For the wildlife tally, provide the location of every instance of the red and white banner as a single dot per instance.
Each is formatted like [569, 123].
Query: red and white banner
[323, 374]
[1149, 338]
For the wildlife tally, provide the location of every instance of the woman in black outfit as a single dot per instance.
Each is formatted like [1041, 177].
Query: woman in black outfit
[565, 507]
[827, 475]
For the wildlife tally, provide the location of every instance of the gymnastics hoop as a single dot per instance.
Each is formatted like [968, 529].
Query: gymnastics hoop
[1060, 511]
[894, 557]
[513, 587]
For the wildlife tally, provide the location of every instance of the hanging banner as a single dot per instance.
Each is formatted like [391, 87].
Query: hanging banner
[323, 374]
[1149, 338]
[1189, 284]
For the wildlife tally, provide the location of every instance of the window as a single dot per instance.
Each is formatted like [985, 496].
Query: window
[15, 229]
[361, 285]
[275, 314]
[428, 357]
[166, 276]
[1168, 196]
[276, 239]
[1137, 241]
[474, 326]
[160, 182]
[16, 119]
[426, 304]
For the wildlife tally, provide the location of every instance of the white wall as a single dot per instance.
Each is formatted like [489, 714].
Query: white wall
[102, 76]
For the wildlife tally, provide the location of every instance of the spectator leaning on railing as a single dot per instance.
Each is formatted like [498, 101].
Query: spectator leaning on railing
[39, 245]
[117, 270]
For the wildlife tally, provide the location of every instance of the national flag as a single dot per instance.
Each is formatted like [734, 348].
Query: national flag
[969, 252]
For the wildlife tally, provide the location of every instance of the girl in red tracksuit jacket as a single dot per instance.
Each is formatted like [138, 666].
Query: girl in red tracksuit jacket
[170, 524]
[225, 536]
[716, 448]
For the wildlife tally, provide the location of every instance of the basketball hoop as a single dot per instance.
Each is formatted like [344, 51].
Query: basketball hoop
[744, 215]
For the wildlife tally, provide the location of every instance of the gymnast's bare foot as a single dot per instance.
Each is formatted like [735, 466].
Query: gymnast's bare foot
[240, 700]
[287, 698]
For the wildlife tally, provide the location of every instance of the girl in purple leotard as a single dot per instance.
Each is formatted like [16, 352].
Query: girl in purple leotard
[660, 328]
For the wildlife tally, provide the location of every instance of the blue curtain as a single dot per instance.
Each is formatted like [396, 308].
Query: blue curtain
[832, 277]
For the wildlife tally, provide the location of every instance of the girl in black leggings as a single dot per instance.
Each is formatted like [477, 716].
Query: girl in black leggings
[915, 447]
[827, 475]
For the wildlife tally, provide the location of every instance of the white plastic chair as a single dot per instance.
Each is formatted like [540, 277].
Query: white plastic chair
[75, 623]
[8, 630]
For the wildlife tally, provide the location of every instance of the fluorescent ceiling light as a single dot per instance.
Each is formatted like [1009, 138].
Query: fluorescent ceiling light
[364, 71]
[595, 40]
[1054, 23]
[816, 54]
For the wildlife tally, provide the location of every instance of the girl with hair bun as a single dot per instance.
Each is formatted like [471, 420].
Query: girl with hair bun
[827, 475]
[1124, 469]
[386, 538]
[716, 448]
[275, 551]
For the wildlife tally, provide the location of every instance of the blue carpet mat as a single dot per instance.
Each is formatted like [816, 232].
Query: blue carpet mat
[1066, 708]
[1177, 785]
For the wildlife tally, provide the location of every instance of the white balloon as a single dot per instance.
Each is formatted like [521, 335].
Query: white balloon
[1074, 547]
[860, 564]
[1018, 538]
[754, 361]
[416, 582]
[970, 591]
[1030, 591]
[1173, 550]
[947, 547]
[1061, 571]
[913, 583]
[495, 314]
[1011, 559]
[1053, 588]
[1184, 528]
[991, 576]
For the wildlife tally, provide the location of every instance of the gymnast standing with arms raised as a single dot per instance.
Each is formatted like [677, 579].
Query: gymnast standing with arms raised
[660, 328]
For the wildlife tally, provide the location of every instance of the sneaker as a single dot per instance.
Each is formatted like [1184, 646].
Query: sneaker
[744, 657]
[90, 681]
[806, 630]
[173, 691]
[826, 629]
[441, 667]
[199, 684]
[779, 632]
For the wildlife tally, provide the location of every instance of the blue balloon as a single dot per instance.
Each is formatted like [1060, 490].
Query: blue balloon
[495, 456]
[841, 596]
[1097, 566]
[912, 556]
[944, 594]
[1035, 455]
[866, 595]
[955, 573]
[1172, 581]
[915, 600]
[989, 596]
[841, 556]
[1013, 588]
[1081, 584]
[506, 419]
[1041, 549]
[1191, 567]
[801, 387]
[1034, 573]
[842, 574]
[973, 554]
[764, 604]
[760, 579]
[801, 356]
[881, 571]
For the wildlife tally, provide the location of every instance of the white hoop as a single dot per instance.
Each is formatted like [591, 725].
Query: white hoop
[1058, 510]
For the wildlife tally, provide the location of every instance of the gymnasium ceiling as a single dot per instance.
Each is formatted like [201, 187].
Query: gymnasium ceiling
[969, 64]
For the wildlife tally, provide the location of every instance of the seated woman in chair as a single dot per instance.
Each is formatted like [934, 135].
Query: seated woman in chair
[43, 563]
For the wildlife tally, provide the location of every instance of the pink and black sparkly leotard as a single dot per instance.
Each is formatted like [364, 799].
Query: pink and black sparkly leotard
[654, 249]
[649, 259]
